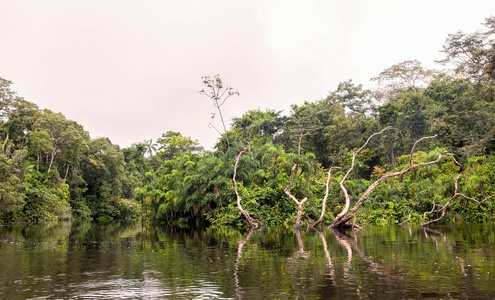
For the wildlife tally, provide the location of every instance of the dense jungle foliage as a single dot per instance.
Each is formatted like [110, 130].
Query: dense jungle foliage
[51, 169]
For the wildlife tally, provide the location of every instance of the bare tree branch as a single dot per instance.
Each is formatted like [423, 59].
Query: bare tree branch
[443, 209]
[253, 223]
[346, 215]
[324, 203]
[348, 197]
[404, 222]
[414, 146]
[299, 204]
[216, 86]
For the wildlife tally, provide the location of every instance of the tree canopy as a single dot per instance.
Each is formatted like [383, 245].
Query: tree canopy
[51, 169]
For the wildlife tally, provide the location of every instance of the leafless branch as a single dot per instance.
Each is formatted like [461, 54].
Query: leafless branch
[253, 223]
[347, 215]
[347, 197]
[324, 203]
[299, 204]
[414, 146]
[443, 209]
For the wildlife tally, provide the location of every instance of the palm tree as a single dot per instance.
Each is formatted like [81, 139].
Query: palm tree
[150, 147]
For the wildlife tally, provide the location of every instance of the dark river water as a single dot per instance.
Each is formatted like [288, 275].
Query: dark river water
[125, 261]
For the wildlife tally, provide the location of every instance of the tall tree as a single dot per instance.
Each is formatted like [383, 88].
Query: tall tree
[400, 77]
[354, 98]
[173, 143]
[7, 97]
[216, 91]
[256, 127]
[40, 145]
[12, 191]
[150, 147]
[472, 54]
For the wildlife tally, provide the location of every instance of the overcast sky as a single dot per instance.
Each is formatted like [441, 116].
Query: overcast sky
[131, 70]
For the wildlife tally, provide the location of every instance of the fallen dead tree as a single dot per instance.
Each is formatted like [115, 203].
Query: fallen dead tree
[443, 208]
[347, 213]
[253, 223]
[299, 204]
[324, 203]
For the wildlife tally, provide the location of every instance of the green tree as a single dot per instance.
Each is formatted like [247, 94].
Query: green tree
[150, 147]
[46, 197]
[173, 143]
[353, 97]
[462, 114]
[104, 174]
[11, 190]
[256, 127]
[471, 54]
[7, 97]
[40, 144]
[407, 75]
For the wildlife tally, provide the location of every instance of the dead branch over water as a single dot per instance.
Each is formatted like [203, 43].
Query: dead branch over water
[253, 223]
[299, 204]
[443, 208]
[324, 203]
[342, 218]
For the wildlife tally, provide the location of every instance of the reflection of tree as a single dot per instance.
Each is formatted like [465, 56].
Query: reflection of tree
[466, 270]
[297, 263]
[447, 244]
[241, 243]
[300, 251]
[387, 273]
[327, 253]
[343, 239]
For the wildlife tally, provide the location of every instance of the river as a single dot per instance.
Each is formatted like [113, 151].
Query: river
[122, 260]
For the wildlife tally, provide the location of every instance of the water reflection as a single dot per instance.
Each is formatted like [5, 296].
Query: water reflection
[241, 243]
[127, 261]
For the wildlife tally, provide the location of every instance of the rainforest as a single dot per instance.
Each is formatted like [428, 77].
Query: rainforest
[417, 148]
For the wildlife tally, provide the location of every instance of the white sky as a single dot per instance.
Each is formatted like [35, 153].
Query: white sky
[131, 70]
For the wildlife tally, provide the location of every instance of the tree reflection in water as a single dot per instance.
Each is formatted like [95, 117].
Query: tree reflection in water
[240, 246]
[126, 260]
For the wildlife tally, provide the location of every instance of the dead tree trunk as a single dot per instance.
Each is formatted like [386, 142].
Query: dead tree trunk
[299, 204]
[346, 215]
[443, 209]
[253, 223]
[348, 197]
[324, 203]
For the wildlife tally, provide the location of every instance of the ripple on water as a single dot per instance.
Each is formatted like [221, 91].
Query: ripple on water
[147, 288]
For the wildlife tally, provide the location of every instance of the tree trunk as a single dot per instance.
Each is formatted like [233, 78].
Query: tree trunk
[299, 204]
[37, 162]
[253, 223]
[348, 197]
[66, 172]
[443, 209]
[346, 215]
[324, 203]
[52, 157]
[299, 142]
